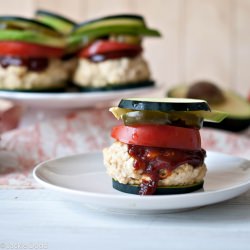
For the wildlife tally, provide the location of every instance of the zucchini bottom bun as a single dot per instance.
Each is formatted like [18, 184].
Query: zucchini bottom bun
[158, 149]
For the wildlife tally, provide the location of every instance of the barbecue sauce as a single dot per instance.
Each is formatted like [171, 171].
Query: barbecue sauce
[33, 64]
[158, 163]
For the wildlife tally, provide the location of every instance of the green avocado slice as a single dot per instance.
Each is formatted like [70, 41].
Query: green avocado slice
[115, 29]
[116, 24]
[237, 109]
[32, 37]
[87, 36]
[21, 23]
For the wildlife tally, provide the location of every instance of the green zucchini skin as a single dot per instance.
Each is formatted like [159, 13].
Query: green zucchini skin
[134, 189]
[117, 24]
[62, 24]
[142, 84]
[163, 106]
[129, 16]
[55, 15]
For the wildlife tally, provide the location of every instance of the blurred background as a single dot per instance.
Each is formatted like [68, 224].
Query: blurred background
[202, 39]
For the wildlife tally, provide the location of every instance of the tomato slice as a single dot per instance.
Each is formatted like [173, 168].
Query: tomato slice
[23, 49]
[158, 136]
[101, 47]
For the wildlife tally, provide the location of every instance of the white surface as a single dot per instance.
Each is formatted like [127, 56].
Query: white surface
[42, 216]
[83, 178]
[74, 99]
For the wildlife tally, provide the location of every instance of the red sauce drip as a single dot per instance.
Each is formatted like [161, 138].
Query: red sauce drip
[33, 64]
[153, 160]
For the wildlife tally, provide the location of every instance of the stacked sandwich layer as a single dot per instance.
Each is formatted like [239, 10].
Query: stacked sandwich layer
[112, 52]
[50, 51]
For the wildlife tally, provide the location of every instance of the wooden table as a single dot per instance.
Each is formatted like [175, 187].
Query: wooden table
[35, 218]
[42, 219]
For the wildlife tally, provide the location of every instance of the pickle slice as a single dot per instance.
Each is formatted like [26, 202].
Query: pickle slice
[181, 119]
[208, 116]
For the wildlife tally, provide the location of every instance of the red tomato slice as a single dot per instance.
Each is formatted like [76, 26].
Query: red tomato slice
[23, 49]
[158, 136]
[103, 47]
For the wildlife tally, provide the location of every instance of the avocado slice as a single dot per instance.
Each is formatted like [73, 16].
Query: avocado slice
[32, 37]
[116, 24]
[14, 28]
[21, 23]
[58, 22]
[235, 106]
[89, 35]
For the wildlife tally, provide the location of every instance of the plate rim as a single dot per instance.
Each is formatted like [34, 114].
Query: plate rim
[18, 95]
[128, 196]
[75, 100]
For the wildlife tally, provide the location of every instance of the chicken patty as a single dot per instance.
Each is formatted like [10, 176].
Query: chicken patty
[21, 78]
[111, 72]
[120, 166]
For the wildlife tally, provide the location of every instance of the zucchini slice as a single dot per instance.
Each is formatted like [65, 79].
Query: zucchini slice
[58, 22]
[134, 20]
[134, 189]
[164, 104]
[118, 24]
[89, 35]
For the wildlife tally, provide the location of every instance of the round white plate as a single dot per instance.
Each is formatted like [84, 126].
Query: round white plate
[83, 178]
[73, 99]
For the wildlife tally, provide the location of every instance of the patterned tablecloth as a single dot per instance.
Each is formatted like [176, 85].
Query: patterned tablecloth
[79, 132]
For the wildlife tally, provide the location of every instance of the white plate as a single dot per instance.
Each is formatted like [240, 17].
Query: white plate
[83, 178]
[73, 99]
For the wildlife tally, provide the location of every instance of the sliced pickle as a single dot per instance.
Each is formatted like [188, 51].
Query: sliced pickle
[181, 119]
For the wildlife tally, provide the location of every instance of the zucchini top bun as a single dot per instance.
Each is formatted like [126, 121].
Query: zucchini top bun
[158, 148]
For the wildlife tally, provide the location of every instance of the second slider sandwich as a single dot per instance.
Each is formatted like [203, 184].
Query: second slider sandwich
[111, 56]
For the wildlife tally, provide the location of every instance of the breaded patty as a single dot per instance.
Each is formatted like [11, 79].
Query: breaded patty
[113, 72]
[120, 166]
[19, 77]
